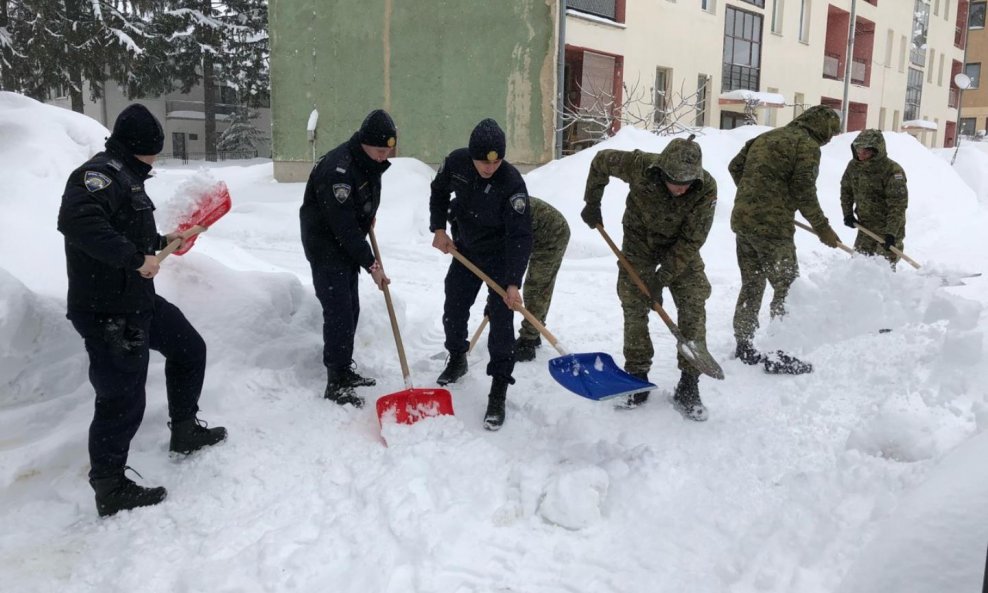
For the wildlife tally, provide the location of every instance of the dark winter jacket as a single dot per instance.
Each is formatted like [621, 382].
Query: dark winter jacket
[341, 200]
[108, 222]
[672, 228]
[776, 176]
[875, 189]
[493, 216]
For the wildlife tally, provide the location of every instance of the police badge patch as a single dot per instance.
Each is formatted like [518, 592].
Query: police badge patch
[341, 191]
[518, 202]
[96, 181]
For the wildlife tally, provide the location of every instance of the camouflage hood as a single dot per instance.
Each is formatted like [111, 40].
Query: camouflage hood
[821, 122]
[680, 162]
[872, 139]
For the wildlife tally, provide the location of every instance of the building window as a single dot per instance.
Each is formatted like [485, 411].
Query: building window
[742, 49]
[914, 94]
[608, 9]
[929, 71]
[804, 21]
[974, 71]
[707, 5]
[798, 105]
[968, 126]
[921, 19]
[663, 93]
[702, 84]
[758, 3]
[777, 6]
[732, 119]
[976, 16]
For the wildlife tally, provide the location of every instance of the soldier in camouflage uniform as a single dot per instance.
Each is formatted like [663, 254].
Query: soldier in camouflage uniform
[550, 236]
[670, 209]
[873, 193]
[776, 175]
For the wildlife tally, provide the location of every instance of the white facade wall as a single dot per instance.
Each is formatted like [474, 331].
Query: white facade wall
[681, 35]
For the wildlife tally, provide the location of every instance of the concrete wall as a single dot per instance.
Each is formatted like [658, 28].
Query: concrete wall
[438, 66]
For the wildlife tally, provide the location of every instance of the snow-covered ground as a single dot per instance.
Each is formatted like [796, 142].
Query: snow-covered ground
[868, 475]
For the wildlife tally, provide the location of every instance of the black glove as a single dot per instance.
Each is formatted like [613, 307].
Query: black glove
[850, 221]
[889, 241]
[592, 216]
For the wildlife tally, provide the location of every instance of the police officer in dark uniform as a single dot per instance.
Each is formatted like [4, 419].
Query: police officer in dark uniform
[338, 210]
[110, 243]
[493, 230]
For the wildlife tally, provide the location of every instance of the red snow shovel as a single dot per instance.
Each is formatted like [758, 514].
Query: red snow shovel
[410, 404]
[207, 208]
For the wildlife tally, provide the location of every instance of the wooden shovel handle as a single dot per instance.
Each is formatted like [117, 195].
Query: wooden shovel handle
[476, 334]
[641, 284]
[893, 249]
[807, 227]
[497, 288]
[171, 247]
[405, 373]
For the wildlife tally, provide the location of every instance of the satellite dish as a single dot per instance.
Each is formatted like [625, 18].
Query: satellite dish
[962, 81]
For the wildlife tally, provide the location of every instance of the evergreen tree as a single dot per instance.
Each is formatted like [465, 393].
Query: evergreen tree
[48, 45]
[240, 136]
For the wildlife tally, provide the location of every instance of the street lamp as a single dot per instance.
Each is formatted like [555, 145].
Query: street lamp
[962, 82]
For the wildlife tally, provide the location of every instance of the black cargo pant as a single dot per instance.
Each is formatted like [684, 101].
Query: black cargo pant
[462, 287]
[119, 348]
[336, 289]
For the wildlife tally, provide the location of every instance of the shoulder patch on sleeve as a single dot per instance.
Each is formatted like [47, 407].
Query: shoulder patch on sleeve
[96, 181]
[341, 191]
[899, 176]
[519, 202]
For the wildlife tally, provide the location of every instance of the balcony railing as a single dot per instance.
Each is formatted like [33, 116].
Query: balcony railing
[831, 67]
[858, 70]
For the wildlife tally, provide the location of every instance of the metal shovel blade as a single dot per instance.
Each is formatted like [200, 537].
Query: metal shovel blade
[700, 359]
[408, 406]
[206, 208]
[595, 375]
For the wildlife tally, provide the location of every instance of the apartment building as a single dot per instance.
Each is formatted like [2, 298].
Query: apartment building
[182, 117]
[974, 100]
[691, 54]
[559, 74]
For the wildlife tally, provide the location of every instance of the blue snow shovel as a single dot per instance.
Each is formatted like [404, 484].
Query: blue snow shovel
[593, 375]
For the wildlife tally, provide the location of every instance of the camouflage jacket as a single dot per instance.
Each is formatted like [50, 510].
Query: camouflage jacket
[776, 176]
[549, 227]
[875, 189]
[656, 223]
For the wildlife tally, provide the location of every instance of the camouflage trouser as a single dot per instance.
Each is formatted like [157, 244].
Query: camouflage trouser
[868, 246]
[540, 279]
[761, 260]
[690, 292]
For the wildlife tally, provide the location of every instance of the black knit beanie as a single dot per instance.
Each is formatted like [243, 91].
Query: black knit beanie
[379, 130]
[138, 130]
[487, 141]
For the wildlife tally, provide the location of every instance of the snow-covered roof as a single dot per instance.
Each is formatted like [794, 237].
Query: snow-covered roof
[194, 115]
[744, 96]
[919, 124]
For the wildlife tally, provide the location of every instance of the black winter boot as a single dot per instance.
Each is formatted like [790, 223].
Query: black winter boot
[193, 434]
[337, 390]
[494, 418]
[350, 378]
[635, 399]
[747, 354]
[687, 398]
[456, 367]
[525, 349]
[119, 493]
